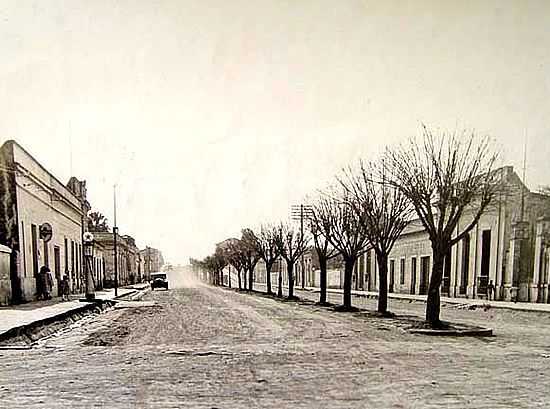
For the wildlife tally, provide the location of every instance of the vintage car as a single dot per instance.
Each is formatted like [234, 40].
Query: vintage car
[159, 280]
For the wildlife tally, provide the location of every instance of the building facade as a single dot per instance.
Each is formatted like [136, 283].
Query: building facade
[125, 259]
[153, 261]
[98, 266]
[41, 222]
[509, 247]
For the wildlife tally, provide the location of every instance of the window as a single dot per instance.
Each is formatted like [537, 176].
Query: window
[413, 275]
[66, 256]
[23, 249]
[34, 244]
[392, 275]
[402, 271]
[72, 258]
[465, 264]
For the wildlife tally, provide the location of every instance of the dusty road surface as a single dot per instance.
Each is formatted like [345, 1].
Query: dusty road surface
[207, 347]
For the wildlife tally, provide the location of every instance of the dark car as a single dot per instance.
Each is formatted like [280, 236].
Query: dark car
[159, 280]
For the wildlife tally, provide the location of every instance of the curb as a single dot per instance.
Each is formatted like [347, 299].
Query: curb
[481, 332]
[460, 330]
[33, 331]
[452, 302]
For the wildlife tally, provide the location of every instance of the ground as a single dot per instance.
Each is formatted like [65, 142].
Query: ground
[205, 347]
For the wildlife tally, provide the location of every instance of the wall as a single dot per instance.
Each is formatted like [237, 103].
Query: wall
[41, 198]
[5, 282]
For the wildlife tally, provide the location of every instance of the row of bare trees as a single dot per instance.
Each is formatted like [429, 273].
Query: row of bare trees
[439, 179]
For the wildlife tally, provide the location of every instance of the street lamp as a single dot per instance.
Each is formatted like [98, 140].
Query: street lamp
[88, 244]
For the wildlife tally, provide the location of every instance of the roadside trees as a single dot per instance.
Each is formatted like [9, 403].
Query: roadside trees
[220, 261]
[267, 249]
[445, 176]
[251, 255]
[320, 229]
[214, 264]
[345, 231]
[384, 212]
[97, 222]
[209, 266]
[236, 258]
[291, 245]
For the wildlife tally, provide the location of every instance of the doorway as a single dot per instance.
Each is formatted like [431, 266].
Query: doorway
[57, 268]
[34, 249]
[483, 279]
[465, 264]
[424, 274]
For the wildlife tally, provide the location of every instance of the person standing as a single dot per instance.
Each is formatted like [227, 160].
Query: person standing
[46, 282]
[490, 291]
[65, 288]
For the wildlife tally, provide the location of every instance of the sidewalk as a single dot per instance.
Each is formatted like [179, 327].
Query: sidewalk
[34, 313]
[467, 302]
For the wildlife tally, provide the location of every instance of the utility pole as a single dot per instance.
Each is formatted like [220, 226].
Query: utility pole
[523, 177]
[302, 238]
[115, 232]
[88, 245]
[300, 213]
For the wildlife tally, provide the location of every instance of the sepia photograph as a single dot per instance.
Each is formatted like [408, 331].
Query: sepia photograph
[318, 204]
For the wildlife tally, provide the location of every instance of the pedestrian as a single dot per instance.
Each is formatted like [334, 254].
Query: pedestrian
[39, 285]
[491, 290]
[47, 282]
[64, 288]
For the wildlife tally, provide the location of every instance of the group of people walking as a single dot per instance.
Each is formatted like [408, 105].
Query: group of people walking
[44, 285]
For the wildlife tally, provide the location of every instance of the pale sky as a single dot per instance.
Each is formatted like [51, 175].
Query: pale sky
[211, 115]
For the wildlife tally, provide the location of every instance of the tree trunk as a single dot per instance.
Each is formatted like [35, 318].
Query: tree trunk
[323, 279]
[268, 277]
[290, 273]
[348, 273]
[382, 260]
[280, 289]
[433, 304]
[239, 279]
[251, 279]
[229, 278]
[244, 279]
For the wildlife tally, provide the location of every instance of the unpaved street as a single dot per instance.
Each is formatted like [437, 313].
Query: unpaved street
[207, 347]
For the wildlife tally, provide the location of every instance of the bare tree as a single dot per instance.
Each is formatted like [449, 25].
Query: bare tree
[220, 261]
[320, 228]
[236, 258]
[209, 265]
[197, 267]
[292, 245]
[345, 231]
[251, 255]
[384, 212]
[267, 249]
[445, 176]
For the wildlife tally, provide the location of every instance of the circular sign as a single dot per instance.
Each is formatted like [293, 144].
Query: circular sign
[88, 237]
[46, 231]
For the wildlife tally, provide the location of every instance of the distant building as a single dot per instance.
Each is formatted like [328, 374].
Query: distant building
[127, 262]
[33, 202]
[153, 261]
[98, 269]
